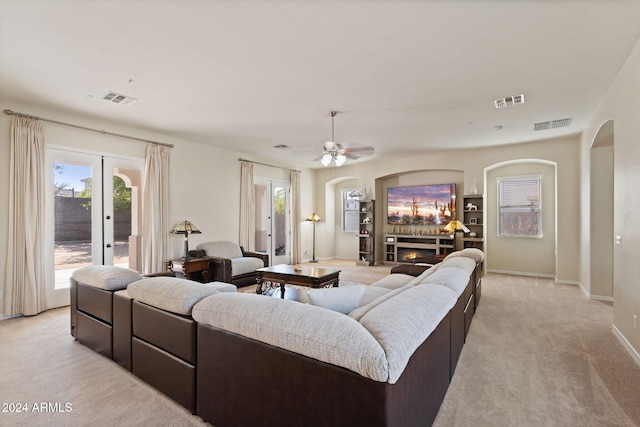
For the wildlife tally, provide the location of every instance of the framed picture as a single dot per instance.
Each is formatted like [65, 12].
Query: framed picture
[473, 220]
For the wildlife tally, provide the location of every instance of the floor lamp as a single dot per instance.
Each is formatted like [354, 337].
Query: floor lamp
[314, 218]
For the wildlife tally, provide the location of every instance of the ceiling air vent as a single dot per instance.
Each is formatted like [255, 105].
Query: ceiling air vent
[553, 124]
[120, 99]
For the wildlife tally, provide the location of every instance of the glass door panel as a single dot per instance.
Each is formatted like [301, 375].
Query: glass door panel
[272, 214]
[83, 227]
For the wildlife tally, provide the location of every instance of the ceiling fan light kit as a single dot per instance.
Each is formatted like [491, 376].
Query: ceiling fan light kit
[336, 152]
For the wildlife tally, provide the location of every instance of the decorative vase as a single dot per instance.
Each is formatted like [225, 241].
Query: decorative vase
[473, 189]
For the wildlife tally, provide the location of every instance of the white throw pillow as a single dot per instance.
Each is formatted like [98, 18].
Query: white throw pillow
[343, 299]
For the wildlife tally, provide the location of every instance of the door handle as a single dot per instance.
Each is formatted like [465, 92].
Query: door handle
[108, 216]
[108, 245]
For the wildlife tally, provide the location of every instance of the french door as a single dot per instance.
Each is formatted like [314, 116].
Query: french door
[273, 219]
[93, 216]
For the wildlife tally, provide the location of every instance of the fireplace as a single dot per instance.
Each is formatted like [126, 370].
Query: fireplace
[410, 254]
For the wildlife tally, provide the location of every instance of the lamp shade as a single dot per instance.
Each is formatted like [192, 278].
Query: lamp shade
[314, 217]
[455, 225]
[186, 227]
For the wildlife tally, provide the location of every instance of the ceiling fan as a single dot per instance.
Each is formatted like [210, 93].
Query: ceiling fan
[333, 151]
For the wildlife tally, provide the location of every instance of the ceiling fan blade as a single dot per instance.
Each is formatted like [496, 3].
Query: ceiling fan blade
[351, 156]
[361, 150]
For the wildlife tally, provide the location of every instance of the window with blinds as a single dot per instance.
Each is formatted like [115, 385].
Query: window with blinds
[519, 206]
[350, 212]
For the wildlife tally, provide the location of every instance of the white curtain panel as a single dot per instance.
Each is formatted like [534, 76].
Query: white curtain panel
[25, 287]
[156, 208]
[295, 216]
[247, 207]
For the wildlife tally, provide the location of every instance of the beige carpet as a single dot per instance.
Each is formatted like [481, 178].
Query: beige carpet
[537, 354]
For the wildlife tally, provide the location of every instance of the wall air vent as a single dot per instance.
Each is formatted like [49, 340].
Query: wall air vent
[120, 99]
[553, 124]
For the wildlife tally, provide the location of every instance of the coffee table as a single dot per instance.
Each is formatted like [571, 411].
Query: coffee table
[313, 277]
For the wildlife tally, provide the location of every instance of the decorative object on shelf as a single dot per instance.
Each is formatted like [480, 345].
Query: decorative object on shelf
[471, 207]
[363, 209]
[473, 220]
[332, 151]
[473, 189]
[186, 228]
[472, 234]
[355, 194]
[314, 218]
[367, 220]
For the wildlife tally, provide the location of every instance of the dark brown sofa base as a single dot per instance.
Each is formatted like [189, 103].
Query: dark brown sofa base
[94, 324]
[164, 352]
[293, 390]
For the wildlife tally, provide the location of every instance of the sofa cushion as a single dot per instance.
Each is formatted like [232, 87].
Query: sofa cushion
[105, 277]
[467, 264]
[452, 255]
[171, 293]
[314, 332]
[400, 324]
[342, 299]
[393, 281]
[222, 249]
[364, 308]
[245, 265]
[371, 293]
[476, 254]
[453, 278]
[420, 279]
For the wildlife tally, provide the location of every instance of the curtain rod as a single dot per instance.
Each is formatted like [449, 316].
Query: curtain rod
[265, 164]
[104, 132]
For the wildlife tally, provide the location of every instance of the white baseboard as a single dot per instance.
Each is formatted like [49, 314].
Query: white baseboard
[545, 276]
[520, 273]
[602, 298]
[632, 351]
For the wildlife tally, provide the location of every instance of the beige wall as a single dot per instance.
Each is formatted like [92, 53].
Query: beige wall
[601, 227]
[622, 105]
[535, 256]
[205, 181]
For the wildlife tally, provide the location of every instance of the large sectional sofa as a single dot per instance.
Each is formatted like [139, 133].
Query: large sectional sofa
[238, 359]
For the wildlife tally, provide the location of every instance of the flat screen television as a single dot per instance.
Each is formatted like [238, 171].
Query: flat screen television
[420, 204]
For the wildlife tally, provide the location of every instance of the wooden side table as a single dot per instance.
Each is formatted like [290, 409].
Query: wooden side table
[192, 268]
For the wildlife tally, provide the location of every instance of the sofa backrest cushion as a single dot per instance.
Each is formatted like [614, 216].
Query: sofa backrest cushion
[467, 264]
[364, 308]
[453, 278]
[474, 253]
[221, 249]
[372, 293]
[342, 299]
[428, 272]
[314, 332]
[170, 293]
[393, 281]
[400, 324]
[105, 277]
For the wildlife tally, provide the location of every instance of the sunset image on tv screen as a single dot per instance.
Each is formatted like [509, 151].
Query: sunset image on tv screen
[420, 205]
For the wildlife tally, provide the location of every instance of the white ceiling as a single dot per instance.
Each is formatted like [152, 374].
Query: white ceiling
[405, 76]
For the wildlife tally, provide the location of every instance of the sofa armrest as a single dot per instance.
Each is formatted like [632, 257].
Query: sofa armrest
[264, 257]
[219, 269]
